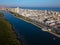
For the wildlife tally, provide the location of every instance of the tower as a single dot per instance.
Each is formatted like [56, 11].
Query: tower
[17, 9]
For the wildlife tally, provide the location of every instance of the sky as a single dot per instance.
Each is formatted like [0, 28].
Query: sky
[30, 3]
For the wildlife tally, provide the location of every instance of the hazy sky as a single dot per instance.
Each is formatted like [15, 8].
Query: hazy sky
[31, 3]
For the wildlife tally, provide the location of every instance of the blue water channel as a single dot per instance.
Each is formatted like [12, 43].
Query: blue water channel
[29, 34]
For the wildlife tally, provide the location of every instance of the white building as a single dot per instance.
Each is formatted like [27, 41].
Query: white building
[17, 10]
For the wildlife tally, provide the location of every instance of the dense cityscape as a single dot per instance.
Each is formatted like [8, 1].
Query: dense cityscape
[46, 17]
[29, 22]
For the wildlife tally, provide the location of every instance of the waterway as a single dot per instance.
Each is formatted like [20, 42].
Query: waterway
[29, 34]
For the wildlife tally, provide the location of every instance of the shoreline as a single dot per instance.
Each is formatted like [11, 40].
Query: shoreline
[17, 36]
[39, 26]
[14, 31]
[6, 28]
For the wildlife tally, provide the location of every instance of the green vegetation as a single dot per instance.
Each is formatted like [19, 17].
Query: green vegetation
[20, 16]
[7, 34]
[1, 14]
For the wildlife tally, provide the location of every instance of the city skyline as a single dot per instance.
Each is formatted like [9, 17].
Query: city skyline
[30, 3]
